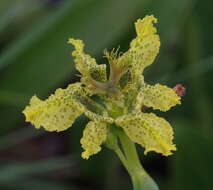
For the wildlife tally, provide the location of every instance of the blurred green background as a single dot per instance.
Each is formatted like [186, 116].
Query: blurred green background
[35, 59]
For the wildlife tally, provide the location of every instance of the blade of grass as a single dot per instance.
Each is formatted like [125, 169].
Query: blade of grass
[18, 137]
[36, 184]
[19, 171]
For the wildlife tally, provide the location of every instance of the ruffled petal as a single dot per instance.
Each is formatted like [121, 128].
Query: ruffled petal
[87, 65]
[144, 27]
[144, 48]
[94, 135]
[150, 131]
[58, 112]
[158, 97]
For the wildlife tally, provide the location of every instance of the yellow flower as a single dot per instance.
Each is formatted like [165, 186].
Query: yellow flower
[122, 96]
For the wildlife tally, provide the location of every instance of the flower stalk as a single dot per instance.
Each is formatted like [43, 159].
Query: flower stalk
[128, 155]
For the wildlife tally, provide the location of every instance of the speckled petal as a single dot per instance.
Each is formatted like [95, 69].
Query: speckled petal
[150, 131]
[144, 48]
[158, 97]
[58, 112]
[94, 135]
[87, 65]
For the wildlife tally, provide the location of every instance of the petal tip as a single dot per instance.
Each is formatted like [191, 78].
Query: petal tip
[145, 26]
[85, 155]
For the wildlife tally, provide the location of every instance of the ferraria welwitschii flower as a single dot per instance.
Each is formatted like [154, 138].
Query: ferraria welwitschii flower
[122, 95]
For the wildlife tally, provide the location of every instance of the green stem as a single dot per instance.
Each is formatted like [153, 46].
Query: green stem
[122, 158]
[129, 157]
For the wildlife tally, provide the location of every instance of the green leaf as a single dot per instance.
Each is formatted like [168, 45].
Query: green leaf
[19, 11]
[192, 164]
[36, 184]
[19, 136]
[19, 171]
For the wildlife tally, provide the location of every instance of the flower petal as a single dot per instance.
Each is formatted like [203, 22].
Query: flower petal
[158, 97]
[58, 112]
[94, 135]
[144, 48]
[150, 131]
[145, 26]
[87, 65]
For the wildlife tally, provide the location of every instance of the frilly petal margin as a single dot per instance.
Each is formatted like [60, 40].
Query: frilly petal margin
[87, 65]
[144, 27]
[58, 112]
[144, 48]
[158, 97]
[150, 131]
[94, 135]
